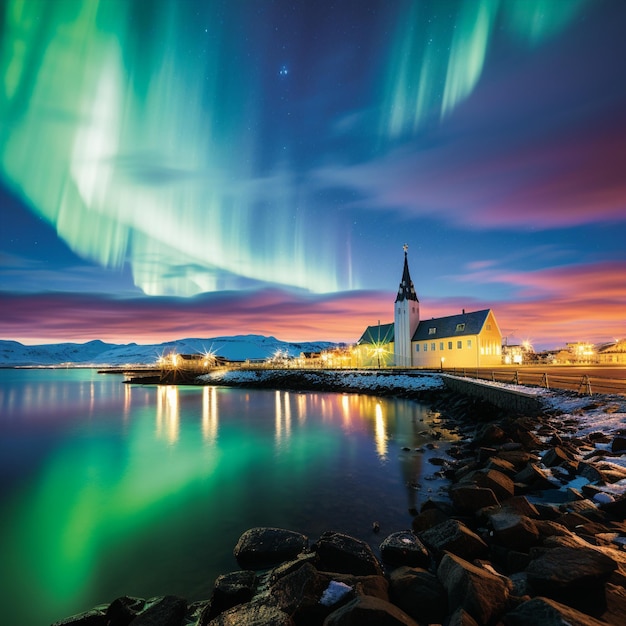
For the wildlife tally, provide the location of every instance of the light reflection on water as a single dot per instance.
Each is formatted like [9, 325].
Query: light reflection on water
[108, 489]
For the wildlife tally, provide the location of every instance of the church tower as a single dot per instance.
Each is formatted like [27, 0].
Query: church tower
[406, 317]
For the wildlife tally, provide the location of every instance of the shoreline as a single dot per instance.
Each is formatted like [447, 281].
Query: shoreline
[525, 494]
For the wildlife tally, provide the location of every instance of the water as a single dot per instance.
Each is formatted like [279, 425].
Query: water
[108, 489]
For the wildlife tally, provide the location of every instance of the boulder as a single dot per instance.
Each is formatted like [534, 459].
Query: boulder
[404, 548]
[165, 611]
[618, 444]
[122, 611]
[471, 498]
[419, 594]
[554, 456]
[513, 531]
[573, 575]
[546, 612]
[260, 548]
[482, 594]
[345, 554]
[252, 614]
[535, 478]
[369, 611]
[427, 519]
[454, 536]
[94, 617]
[501, 485]
[461, 617]
[229, 591]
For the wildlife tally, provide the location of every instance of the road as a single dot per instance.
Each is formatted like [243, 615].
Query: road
[597, 378]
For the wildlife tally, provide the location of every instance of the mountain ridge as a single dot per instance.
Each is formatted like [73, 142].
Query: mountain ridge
[100, 353]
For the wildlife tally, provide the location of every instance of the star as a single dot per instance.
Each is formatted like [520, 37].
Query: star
[283, 70]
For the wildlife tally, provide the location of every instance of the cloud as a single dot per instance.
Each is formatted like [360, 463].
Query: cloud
[551, 307]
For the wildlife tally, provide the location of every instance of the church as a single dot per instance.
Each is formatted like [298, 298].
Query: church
[465, 340]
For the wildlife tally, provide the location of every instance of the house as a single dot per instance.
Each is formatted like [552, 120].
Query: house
[613, 352]
[464, 340]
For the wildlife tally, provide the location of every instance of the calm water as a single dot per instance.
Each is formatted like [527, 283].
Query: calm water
[108, 489]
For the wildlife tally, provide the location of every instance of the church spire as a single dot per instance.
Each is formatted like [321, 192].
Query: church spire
[406, 290]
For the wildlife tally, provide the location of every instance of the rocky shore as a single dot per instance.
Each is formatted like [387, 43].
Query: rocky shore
[533, 532]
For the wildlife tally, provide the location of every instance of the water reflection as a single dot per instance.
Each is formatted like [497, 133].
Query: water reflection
[282, 417]
[380, 433]
[210, 416]
[185, 469]
[167, 413]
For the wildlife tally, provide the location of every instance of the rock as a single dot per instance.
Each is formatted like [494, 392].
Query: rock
[528, 439]
[490, 434]
[535, 478]
[427, 519]
[344, 554]
[616, 509]
[519, 458]
[616, 605]
[516, 532]
[521, 506]
[618, 444]
[369, 611]
[454, 536]
[546, 612]
[461, 618]
[501, 485]
[252, 614]
[300, 594]
[404, 548]
[260, 548]
[590, 472]
[573, 575]
[419, 594]
[482, 594]
[471, 498]
[554, 456]
[165, 611]
[229, 591]
[94, 617]
[123, 611]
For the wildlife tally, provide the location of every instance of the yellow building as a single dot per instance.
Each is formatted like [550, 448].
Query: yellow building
[613, 353]
[457, 341]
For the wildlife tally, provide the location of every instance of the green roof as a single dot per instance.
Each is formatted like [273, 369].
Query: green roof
[378, 334]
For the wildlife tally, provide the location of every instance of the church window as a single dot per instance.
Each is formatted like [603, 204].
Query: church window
[425, 347]
[469, 343]
[432, 331]
[460, 328]
[441, 345]
[488, 326]
[449, 345]
[459, 345]
[417, 347]
[433, 346]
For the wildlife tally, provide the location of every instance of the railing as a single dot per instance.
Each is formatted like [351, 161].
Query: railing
[583, 385]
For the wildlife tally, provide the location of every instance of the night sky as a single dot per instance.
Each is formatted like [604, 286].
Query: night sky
[190, 168]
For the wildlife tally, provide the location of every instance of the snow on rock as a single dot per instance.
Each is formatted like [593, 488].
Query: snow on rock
[366, 381]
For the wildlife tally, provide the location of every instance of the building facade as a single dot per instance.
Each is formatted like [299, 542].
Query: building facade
[465, 340]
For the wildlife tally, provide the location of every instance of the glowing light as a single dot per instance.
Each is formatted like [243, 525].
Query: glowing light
[137, 161]
[380, 432]
[438, 60]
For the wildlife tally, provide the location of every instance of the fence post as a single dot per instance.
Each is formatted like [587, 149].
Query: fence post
[493, 376]
[586, 383]
[544, 380]
[516, 378]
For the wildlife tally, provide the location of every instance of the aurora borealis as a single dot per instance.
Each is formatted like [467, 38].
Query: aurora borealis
[254, 166]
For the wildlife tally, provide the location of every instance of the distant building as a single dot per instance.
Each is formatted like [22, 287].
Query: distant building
[612, 353]
[465, 340]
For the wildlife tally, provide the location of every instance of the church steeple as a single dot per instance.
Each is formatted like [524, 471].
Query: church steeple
[406, 290]
[406, 317]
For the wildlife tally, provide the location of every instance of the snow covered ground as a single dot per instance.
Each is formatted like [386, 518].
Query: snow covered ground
[365, 381]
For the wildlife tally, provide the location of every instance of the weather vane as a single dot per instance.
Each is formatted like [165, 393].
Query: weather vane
[405, 247]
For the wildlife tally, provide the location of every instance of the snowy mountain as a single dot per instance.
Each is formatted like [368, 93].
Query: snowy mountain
[238, 348]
